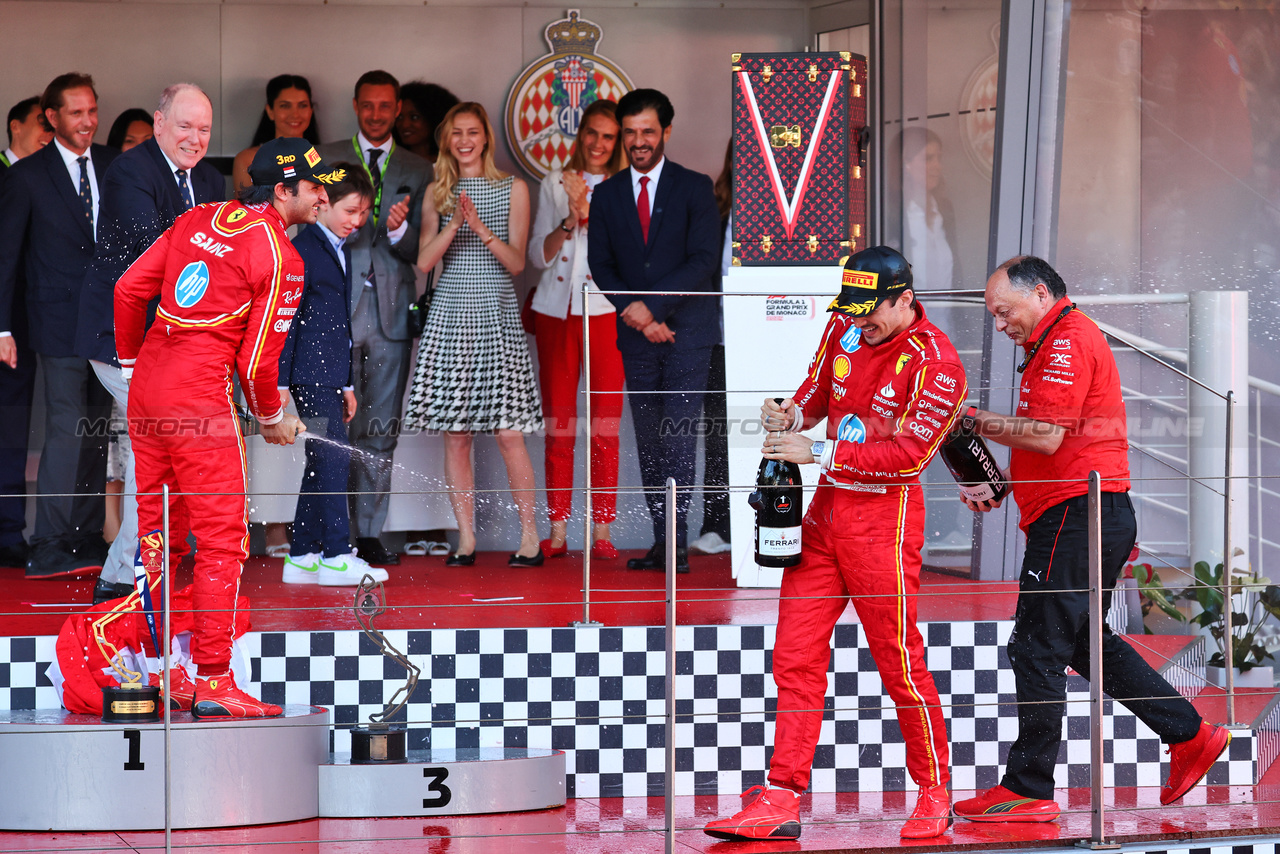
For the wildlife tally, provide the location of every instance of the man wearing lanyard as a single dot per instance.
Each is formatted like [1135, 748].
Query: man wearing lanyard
[1070, 420]
[383, 253]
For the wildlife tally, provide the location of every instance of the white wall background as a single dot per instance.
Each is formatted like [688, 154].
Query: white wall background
[476, 49]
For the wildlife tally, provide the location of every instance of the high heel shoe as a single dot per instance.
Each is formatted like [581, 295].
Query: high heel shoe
[549, 550]
[532, 560]
[456, 559]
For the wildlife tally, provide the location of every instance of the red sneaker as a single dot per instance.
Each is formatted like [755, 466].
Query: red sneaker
[932, 815]
[218, 697]
[1000, 804]
[182, 691]
[603, 550]
[766, 814]
[1190, 760]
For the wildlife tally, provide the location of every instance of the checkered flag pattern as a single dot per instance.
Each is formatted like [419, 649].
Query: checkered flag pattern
[599, 695]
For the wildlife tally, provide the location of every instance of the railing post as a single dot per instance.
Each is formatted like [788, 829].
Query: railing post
[1228, 636]
[670, 788]
[586, 486]
[1096, 622]
[167, 577]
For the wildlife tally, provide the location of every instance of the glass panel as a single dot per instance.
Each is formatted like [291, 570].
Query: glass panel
[937, 129]
[1170, 184]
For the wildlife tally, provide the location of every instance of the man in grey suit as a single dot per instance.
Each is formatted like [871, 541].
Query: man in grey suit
[383, 253]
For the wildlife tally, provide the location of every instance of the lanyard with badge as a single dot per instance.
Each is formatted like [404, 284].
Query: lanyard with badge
[1035, 348]
[382, 171]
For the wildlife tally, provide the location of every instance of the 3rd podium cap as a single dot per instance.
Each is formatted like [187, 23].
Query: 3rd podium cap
[288, 158]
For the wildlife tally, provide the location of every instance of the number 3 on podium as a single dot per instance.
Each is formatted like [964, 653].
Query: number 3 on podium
[441, 794]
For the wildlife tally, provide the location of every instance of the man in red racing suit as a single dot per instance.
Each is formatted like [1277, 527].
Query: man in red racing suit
[229, 281]
[890, 385]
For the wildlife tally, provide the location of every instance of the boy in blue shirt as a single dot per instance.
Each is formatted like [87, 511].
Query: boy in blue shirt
[315, 367]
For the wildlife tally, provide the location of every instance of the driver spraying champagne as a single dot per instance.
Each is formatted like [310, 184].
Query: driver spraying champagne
[229, 282]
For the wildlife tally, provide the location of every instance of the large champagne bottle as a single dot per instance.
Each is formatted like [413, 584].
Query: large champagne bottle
[970, 462]
[778, 501]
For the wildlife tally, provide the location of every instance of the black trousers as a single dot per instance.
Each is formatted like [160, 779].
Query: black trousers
[1051, 631]
[715, 412]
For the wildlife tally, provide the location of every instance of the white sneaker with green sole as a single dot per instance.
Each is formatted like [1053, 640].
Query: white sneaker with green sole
[347, 570]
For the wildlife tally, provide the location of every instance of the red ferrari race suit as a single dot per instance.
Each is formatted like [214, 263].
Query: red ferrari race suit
[888, 408]
[229, 281]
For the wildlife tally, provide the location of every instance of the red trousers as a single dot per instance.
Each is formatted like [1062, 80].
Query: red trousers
[202, 457]
[864, 546]
[560, 358]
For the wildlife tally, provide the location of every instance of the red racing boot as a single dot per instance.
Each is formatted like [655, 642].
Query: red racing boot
[766, 814]
[1000, 804]
[932, 815]
[182, 689]
[218, 698]
[1190, 760]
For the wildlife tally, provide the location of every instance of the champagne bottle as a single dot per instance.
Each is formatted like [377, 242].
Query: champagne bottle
[778, 501]
[970, 462]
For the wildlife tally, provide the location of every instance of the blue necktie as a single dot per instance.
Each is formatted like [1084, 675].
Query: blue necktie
[86, 195]
[185, 189]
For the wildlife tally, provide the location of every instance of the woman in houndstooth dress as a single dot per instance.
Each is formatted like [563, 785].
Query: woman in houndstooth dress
[474, 373]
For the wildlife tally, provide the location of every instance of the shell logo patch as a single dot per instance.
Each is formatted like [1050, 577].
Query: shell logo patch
[840, 367]
[192, 283]
[312, 157]
[860, 279]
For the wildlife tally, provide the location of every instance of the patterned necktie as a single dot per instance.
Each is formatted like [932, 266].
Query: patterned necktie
[185, 189]
[376, 175]
[86, 195]
[642, 207]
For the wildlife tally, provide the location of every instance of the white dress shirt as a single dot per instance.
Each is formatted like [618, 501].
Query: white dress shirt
[653, 175]
[173, 171]
[70, 158]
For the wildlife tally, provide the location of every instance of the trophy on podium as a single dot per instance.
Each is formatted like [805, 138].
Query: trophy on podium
[132, 701]
[380, 741]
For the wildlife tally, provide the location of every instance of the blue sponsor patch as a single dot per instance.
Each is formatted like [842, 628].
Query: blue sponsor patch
[193, 281]
[851, 340]
[851, 429]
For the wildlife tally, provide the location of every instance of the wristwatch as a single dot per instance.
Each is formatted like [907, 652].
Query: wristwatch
[817, 449]
[564, 228]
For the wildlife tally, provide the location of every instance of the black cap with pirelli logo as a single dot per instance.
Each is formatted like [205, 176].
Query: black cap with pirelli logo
[290, 158]
[870, 277]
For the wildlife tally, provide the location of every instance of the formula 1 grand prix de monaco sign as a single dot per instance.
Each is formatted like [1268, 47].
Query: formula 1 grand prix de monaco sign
[546, 102]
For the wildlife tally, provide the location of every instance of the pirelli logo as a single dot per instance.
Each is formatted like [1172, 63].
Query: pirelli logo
[312, 157]
[859, 279]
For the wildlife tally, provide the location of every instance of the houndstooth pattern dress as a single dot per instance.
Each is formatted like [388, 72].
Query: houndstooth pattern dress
[474, 373]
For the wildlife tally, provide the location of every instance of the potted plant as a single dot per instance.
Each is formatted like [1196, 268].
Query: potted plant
[1261, 599]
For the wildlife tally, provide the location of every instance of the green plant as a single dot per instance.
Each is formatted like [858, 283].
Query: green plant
[1246, 652]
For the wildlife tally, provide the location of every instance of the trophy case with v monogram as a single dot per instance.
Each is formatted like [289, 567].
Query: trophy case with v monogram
[799, 157]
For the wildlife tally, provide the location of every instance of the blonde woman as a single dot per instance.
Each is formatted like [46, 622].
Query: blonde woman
[474, 374]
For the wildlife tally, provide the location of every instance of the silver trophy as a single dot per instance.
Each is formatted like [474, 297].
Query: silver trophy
[379, 741]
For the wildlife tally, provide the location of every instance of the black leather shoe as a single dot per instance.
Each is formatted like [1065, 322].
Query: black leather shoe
[54, 558]
[90, 549]
[656, 558]
[105, 591]
[375, 553]
[456, 559]
[532, 560]
[15, 555]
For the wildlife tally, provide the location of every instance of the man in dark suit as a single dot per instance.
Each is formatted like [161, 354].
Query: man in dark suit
[654, 227]
[383, 253]
[27, 131]
[48, 216]
[27, 135]
[143, 192]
